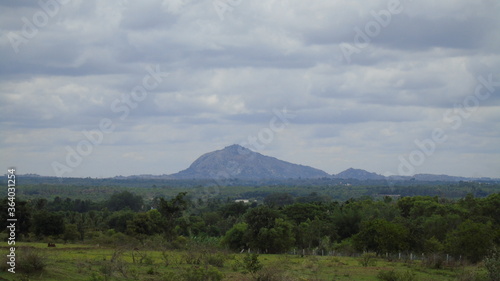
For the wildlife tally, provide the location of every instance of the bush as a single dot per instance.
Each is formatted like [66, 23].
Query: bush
[272, 273]
[391, 275]
[116, 264]
[31, 260]
[388, 275]
[251, 263]
[311, 263]
[470, 275]
[217, 259]
[193, 258]
[201, 273]
[368, 259]
[165, 258]
[492, 264]
[345, 247]
[142, 257]
[179, 243]
[435, 261]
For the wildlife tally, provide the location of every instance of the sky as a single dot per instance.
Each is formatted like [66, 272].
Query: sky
[106, 88]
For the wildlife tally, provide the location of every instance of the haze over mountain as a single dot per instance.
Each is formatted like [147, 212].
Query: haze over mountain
[236, 161]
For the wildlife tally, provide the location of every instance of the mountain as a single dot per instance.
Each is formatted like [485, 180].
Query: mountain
[438, 178]
[239, 162]
[358, 174]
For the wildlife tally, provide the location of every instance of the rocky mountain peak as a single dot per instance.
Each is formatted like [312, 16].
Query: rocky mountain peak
[236, 161]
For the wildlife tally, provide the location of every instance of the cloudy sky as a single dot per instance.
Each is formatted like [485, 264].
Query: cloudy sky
[105, 88]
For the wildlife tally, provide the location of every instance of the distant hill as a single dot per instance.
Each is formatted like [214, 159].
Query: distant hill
[439, 178]
[358, 174]
[239, 162]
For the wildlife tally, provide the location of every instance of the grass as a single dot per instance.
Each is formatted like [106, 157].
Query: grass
[84, 262]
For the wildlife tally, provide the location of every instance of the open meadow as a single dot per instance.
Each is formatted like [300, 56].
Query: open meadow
[35, 261]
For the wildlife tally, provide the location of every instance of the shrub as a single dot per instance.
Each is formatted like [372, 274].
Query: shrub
[435, 261]
[31, 260]
[311, 263]
[492, 264]
[193, 258]
[151, 271]
[142, 257]
[388, 275]
[116, 264]
[272, 273]
[368, 259]
[251, 263]
[166, 258]
[345, 247]
[179, 243]
[470, 275]
[201, 273]
[217, 259]
[391, 275]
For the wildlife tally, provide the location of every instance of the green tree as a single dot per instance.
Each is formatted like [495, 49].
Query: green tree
[438, 225]
[381, 236]
[301, 212]
[148, 223]
[236, 238]
[490, 207]
[235, 209]
[71, 233]
[171, 210]
[47, 223]
[471, 240]
[311, 233]
[124, 200]
[268, 231]
[313, 197]
[23, 214]
[278, 199]
[433, 246]
[118, 220]
[276, 239]
[347, 221]
[260, 217]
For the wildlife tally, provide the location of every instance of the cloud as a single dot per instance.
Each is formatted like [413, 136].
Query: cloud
[225, 78]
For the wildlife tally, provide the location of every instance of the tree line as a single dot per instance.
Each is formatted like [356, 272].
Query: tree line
[466, 228]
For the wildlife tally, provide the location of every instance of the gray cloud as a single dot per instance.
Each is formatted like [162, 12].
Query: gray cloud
[227, 76]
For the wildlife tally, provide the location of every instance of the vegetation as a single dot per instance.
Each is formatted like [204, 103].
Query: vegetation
[282, 236]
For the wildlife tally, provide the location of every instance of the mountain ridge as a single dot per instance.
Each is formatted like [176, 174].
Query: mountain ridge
[236, 161]
[358, 174]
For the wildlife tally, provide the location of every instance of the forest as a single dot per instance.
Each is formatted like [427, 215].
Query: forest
[435, 230]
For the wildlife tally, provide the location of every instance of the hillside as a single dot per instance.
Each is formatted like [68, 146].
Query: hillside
[236, 161]
[358, 174]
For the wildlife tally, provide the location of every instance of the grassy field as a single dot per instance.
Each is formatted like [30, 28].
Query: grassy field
[85, 262]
